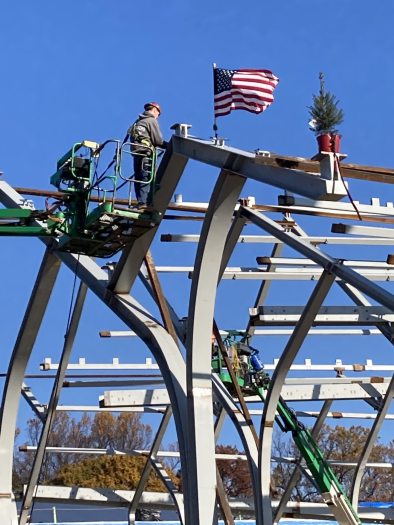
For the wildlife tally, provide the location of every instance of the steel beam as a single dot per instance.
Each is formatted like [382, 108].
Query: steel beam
[16, 370]
[201, 467]
[327, 315]
[53, 401]
[281, 274]
[161, 500]
[315, 391]
[271, 239]
[363, 230]
[277, 381]
[158, 340]
[243, 163]
[336, 267]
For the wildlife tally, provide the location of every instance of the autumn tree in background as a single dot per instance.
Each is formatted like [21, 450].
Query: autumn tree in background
[235, 473]
[338, 444]
[115, 472]
[347, 444]
[127, 432]
[124, 432]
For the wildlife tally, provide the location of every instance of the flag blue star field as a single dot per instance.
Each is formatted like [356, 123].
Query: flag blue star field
[249, 89]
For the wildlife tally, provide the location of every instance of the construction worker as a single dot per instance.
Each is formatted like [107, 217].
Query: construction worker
[145, 132]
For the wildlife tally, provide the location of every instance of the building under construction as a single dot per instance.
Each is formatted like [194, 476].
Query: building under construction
[211, 373]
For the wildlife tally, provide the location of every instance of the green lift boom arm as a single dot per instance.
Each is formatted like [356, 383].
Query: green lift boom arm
[323, 475]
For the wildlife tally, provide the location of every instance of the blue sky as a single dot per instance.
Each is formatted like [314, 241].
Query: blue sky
[83, 70]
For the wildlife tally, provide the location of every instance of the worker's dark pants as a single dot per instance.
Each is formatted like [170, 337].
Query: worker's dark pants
[142, 174]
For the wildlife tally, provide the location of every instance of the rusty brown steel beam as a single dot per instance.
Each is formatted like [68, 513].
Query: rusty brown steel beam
[185, 208]
[161, 301]
[351, 171]
[223, 501]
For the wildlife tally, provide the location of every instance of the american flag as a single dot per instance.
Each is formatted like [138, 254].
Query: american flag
[249, 89]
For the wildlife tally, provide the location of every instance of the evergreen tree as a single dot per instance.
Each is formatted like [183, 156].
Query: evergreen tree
[324, 111]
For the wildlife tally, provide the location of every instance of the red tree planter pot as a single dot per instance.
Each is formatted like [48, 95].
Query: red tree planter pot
[329, 142]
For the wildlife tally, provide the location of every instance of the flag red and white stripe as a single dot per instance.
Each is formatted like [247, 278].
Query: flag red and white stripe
[248, 89]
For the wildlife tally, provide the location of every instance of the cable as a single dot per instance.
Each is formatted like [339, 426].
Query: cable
[336, 167]
[72, 298]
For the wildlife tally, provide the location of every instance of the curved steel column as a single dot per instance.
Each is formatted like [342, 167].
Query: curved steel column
[201, 453]
[12, 390]
[147, 328]
[278, 378]
[385, 329]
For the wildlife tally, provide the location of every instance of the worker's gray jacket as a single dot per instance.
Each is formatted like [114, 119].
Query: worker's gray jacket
[146, 127]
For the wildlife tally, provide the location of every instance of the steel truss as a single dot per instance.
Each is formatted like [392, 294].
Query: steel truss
[197, 400]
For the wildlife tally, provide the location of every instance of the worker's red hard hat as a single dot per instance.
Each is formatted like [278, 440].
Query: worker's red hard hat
[149, 105]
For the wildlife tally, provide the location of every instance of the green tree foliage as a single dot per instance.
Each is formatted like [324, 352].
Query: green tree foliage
[115, 472]
[339, 444]
[324, 112]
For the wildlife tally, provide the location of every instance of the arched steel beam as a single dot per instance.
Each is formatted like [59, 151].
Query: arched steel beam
[385, 329]
[158, 340]
[222, 395]
[201, 457]
[346, 274]
[147, 328]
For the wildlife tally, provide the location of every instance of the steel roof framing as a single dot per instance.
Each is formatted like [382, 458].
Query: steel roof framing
[197, 399]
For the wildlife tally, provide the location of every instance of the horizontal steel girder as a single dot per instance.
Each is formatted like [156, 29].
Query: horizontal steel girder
[353, 389]
[269, 239]
[243, 162]
[327, 315]
[161, 500]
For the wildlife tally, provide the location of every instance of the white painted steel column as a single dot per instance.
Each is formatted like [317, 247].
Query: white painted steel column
[201, 466]
[10, 403]
[153, 334]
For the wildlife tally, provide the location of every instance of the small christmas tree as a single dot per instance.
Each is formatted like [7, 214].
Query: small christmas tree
[324, 112]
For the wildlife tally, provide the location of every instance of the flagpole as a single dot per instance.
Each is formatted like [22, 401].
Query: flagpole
[215, 127]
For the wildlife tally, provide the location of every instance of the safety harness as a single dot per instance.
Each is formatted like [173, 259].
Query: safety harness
[136, 134]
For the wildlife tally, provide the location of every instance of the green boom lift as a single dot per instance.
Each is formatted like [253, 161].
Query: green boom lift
[252, 380]
[85, 218]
